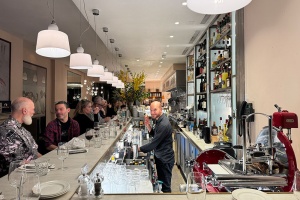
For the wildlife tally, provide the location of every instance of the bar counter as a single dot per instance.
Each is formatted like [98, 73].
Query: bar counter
[73, 163]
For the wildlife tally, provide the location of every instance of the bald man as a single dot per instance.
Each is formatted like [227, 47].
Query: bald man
[162, 144]
[15, 141]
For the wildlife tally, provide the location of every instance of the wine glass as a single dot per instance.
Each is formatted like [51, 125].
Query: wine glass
[32, 187]
[63, 153]
[195, 188]
[296, 185]
[89, 135]
[16, 176]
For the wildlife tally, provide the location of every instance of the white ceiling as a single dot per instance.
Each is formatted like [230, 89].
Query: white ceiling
[141, 29]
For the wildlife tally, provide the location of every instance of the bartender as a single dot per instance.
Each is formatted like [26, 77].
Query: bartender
[162, 144]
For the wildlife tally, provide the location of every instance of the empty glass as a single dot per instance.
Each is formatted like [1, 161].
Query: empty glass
[62, 152]
[41, 166]
[296, 185]
[196, 187]
[31, 187]
[16, 176]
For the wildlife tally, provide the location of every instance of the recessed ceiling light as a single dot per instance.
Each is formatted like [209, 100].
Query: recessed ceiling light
[159, 65]
[176, 23]
[168, 46]
[184, 3]
[165, 52]
[171, 36]
[162, 58]
[161, 62]
[138, 60]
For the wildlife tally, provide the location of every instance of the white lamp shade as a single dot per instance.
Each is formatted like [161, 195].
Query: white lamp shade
[52, 44]
[119, 85]
[213, 7]
[80, 61]
[96, 71]
[108, 76]
[113, 81]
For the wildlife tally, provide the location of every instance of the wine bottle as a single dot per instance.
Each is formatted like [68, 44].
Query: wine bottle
[214, 129]
[200, 103]
[204, 103]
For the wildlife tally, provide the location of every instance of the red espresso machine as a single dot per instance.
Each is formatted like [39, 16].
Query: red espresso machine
[268, 166]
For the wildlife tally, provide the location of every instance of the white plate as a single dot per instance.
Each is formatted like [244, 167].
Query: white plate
[53, 189]
[250, 194]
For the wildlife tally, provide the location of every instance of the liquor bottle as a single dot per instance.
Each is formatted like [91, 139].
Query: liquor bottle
[201, 84]
[220, 80]
[204, 103]
[200, 103]
[216, 81]
[224, 77]
[197, 70]
[195, 128]
[204, 84]
[214, 129]
[220, 134]
[228, 79]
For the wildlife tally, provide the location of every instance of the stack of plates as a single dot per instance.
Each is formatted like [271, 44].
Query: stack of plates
[53, 189]
[249, 194]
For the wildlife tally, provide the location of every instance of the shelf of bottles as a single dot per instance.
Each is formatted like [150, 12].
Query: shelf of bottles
[220, 71]
[201, 56]
[190, 75]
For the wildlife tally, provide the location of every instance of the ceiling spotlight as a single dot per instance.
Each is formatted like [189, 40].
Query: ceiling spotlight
[111, 40]
[137, 60]
[176, 23]
[165, 52]
[117, 49]
[161, 62]
[184, 3]
[171, 36]
[105, 29]
[95, 12]
[120, 55]
[163, 56]
[168, 46]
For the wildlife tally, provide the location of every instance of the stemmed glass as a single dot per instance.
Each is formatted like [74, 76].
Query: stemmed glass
[89, 135]
[296, 185]
[196, 187]
[62, 152]
[16, 176]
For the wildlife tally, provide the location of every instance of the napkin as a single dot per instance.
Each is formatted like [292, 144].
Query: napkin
[76, 143]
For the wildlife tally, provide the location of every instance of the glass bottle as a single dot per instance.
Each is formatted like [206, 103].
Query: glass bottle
[214, 129]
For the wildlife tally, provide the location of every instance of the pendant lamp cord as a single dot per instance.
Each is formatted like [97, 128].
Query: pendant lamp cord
[51, 13]
[81, 20]
[96, 36]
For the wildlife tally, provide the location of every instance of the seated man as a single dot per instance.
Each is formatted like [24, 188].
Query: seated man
[61, 129]
[98, 102]
[15, 141]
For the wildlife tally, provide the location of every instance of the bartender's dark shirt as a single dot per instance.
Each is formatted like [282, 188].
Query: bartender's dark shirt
[162, 143]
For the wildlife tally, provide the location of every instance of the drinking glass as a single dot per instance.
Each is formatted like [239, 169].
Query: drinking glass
[32, 187]
[16, 176]
[196, 187]
[296, 185]
[89, 135]
[63, 153]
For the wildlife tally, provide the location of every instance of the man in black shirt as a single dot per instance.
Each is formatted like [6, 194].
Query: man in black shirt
[162, 144]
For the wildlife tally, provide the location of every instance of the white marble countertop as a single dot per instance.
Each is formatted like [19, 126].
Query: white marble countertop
[73, 163]
[201, 145]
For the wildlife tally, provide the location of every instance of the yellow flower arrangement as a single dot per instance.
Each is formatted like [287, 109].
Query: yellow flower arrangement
[134, 87]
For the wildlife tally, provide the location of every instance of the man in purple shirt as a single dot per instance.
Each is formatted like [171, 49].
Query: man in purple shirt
[62, 129]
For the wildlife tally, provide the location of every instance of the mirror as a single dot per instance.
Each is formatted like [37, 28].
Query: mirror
[74, 89]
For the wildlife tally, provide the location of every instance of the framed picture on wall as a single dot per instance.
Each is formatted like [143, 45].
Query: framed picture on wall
[34, 86]
[5, 57]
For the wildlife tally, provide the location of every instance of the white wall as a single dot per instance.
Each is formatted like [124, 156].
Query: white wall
[272, 52]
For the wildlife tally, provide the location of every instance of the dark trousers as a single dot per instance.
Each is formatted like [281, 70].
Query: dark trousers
[164, 173]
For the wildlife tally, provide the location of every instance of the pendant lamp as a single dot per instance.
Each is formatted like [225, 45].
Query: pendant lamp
[213, 7]
[80, 60]
[96, 71]
[113, 80]
[52, 43]
[107, 76]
